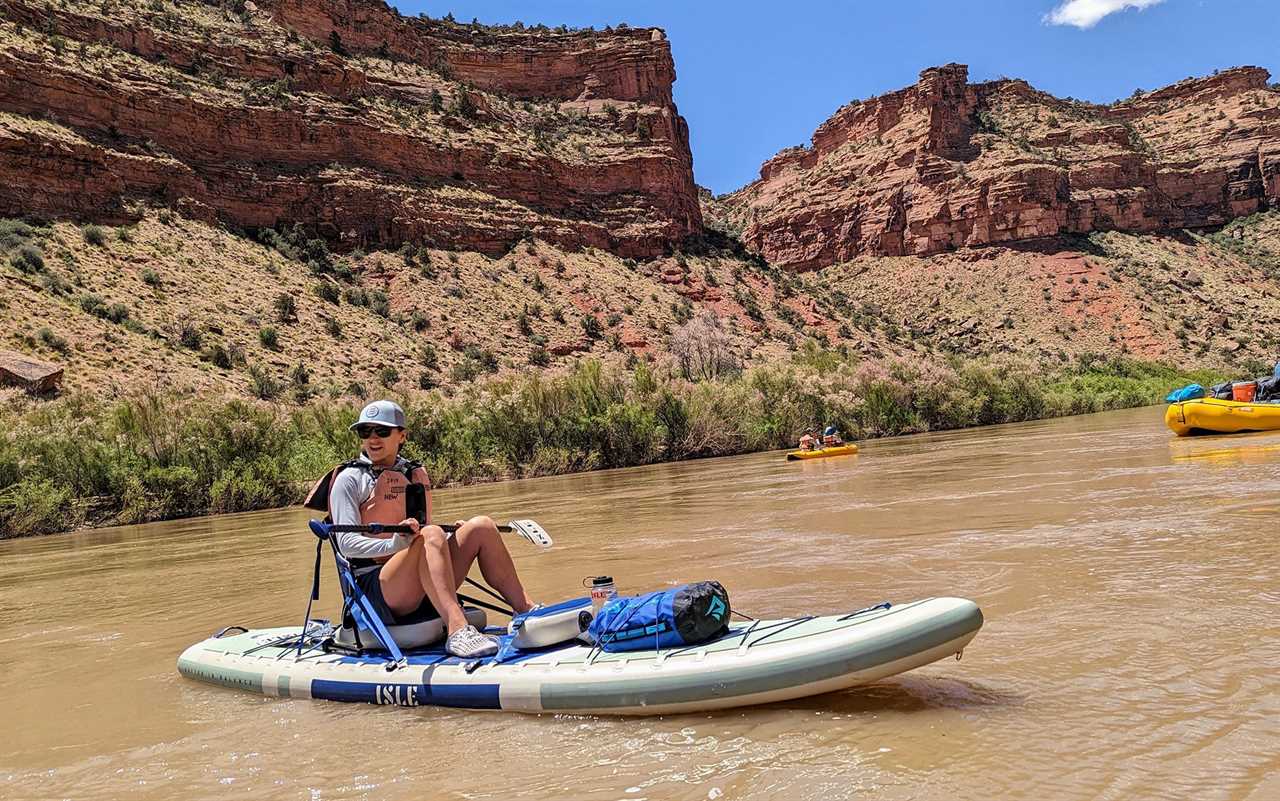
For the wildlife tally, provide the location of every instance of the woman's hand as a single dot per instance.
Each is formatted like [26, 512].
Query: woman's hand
[411, 523]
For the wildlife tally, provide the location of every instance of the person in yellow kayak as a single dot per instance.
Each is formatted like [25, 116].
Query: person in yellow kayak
[831, 437]
[399, 572]
[808, 441]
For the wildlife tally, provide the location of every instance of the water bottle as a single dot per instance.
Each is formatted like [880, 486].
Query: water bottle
[602, 591]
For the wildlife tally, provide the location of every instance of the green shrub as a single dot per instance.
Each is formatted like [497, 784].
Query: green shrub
[591, 327]
[14, 233]
[429, 357]
[36, 506]
[217, 355]
[28, 259]
[52, 340]
[269, 338]
[465, 371]
[188, 335]
[328, 291]
[263, 384]
[484, 357]
[92, 304]
[151, 278]
[116, 312]
[286, 308]
[94, 234]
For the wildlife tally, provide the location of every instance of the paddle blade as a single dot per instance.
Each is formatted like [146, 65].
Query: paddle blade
[532, 532]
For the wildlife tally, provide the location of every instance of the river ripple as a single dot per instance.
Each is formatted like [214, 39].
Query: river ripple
[1131, 649]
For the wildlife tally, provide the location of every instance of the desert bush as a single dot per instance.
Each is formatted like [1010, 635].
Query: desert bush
[269, 338]
[94, 234]
[14, 233]
[262, 384]
[46, 337]
[28, 259]
[328, 291]
[591, 327]
[217, 355]
[286, 308]
[702, 349]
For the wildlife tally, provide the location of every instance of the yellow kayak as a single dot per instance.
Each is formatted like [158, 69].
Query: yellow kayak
[1213, 416]
[834, 450]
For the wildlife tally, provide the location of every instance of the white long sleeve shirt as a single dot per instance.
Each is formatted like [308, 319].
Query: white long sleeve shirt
[350, 490]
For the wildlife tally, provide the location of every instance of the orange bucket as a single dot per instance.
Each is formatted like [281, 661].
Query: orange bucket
[1243, 391]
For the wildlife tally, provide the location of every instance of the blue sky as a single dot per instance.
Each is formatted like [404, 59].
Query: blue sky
[754, 77]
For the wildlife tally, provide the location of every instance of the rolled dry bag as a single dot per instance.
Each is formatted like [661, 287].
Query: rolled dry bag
[1189, 392]
[550, 625]
[670, 618]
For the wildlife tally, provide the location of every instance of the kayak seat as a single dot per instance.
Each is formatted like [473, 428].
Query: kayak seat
[362, 630]
[418, 629]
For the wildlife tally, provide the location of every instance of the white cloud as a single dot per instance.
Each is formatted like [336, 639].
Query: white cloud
[1086, 13]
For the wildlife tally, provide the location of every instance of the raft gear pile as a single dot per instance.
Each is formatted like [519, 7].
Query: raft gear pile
[672, 650]
[1231, 407]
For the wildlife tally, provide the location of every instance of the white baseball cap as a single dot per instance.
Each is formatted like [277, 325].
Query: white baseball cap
[381, 413]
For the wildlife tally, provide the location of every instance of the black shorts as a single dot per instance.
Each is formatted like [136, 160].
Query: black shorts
[370, 584]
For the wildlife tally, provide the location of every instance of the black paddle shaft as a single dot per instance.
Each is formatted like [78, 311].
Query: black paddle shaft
[396, 529]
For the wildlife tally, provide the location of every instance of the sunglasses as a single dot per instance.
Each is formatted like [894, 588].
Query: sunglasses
[382, 432]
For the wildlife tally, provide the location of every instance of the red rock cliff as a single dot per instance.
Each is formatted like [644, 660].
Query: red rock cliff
[945, 164]
[369, 127]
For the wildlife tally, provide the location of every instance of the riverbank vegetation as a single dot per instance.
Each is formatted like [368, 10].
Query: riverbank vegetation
[83, 461]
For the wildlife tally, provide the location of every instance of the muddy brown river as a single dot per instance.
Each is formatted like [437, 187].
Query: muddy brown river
[1130, 583]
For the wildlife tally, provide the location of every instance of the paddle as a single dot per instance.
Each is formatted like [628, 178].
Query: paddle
[528, 529]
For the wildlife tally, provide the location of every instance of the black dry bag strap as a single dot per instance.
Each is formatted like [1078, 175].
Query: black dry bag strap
[415, 502]
[315, 579]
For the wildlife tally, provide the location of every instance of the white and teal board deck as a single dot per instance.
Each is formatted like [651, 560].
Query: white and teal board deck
[756, 662]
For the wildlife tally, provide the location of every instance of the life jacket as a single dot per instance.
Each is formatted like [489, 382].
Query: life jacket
[806, 442]
[830, 439]
[398, 493]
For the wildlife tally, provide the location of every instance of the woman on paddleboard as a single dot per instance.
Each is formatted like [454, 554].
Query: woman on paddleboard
[401, 572]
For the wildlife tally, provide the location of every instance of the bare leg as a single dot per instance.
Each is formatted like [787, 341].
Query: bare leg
[478, 540]
[424, 568]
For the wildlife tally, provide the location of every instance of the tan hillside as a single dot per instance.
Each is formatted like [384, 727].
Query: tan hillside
[175, 302]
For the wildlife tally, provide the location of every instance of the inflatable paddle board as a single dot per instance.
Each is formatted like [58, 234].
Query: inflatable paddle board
[756, 662]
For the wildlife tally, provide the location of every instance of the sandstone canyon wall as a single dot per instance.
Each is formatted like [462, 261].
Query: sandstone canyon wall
[946, 164]
[369, 128]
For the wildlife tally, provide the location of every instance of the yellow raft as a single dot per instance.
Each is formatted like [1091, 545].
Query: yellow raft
[1213, 416]
[834, 450]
